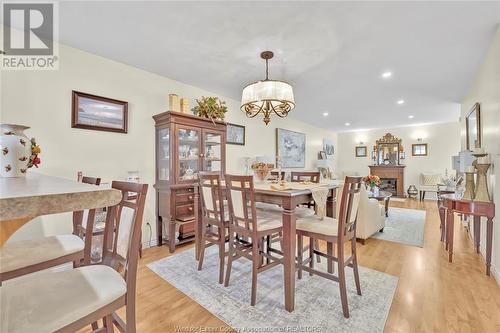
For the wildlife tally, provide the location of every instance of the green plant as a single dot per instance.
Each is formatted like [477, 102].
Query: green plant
[210, 107]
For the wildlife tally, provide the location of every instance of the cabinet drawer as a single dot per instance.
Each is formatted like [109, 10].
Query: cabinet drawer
[182, 198]
[184, 210]
[187, 228]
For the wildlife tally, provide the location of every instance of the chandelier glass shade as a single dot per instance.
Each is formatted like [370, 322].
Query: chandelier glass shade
[267, 97]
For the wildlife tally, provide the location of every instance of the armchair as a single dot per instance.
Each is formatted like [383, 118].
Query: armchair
[428, 183]
[371, 215]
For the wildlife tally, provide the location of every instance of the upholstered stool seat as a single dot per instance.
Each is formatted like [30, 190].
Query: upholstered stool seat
[27, 253]
[313, 224]
[52, 301]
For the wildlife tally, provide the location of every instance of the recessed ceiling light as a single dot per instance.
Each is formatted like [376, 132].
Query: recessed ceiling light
[400, 102]
[386, 75]
[411, 116]
[347, 124]
[325, 114]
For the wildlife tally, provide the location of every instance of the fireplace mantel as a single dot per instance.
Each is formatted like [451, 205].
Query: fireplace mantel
[391, 172]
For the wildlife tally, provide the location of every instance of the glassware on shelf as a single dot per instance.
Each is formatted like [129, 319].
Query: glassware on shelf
[188, 154]
[163, 151]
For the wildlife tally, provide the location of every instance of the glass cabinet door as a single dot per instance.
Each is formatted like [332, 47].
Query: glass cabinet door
[163, 151]
[189, 154]
[213, 151]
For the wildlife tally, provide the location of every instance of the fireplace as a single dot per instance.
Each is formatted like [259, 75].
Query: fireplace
[389, 185]
[392, 178]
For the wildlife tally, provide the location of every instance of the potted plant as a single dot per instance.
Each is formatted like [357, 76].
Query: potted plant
[210, 107]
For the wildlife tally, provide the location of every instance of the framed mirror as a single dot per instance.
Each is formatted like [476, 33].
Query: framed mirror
[473, 128]
[388, 150]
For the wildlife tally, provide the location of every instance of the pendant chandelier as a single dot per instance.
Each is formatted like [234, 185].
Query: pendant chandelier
[267, 97]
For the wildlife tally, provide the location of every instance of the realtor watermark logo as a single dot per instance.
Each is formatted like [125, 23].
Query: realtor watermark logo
[30, 35]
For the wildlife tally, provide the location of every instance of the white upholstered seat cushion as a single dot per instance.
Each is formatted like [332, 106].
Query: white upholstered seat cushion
[54, 300]
[268, 221]
[328, 226]
[21, 254]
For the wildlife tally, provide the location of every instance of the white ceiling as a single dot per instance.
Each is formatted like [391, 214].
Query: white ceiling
[333, 53]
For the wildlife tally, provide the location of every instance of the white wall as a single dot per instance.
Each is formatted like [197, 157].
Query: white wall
[485, 89]
[443, 141]
[42, 100]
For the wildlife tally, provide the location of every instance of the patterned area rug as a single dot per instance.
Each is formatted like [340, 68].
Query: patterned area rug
[404, 226]
[317, 300]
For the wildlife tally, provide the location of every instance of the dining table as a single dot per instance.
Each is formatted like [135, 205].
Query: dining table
[24, 198]
[288, 199]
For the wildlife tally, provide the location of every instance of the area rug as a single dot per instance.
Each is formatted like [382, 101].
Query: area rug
[404, 226]
[317, 300]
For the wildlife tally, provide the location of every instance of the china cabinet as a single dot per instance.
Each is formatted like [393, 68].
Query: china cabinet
[185, 145]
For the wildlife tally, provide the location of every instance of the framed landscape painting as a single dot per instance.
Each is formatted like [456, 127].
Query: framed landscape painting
[291, 148]
[98, 113]
[328, 147]
[235, 134]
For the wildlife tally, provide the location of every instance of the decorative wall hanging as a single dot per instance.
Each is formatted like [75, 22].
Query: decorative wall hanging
[291, 148]
[361, 151]
[267, 96]
[98, 113]
[235, 134]
[419, 149]
[328, 147]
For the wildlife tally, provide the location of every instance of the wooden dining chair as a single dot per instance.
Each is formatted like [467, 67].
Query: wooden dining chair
[214, 215]
[280, 175]
[253, 228]
[28, 256]
[301, 176]
[67, 301]
[335, 233]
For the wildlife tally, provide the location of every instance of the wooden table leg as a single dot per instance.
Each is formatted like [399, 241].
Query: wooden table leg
[442, 218]
[289, 249]
[449, 229]
[477, 232]
[331, 205]
[489, 241]
[387, 206]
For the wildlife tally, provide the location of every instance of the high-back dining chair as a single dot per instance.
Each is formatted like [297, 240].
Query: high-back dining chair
[335, 233]
[69, 300]
[280, 175]
[29, 256]
[245, 222]
[300, 176]
[214, 214]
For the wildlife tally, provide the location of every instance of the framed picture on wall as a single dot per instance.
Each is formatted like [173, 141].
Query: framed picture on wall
[291, 148]
[235, 134]
[419, 149]
[98, 113]
[473, 128]
[361, 151]
[328, 147]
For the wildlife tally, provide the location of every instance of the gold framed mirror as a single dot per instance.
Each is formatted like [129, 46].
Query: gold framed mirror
[388, 150]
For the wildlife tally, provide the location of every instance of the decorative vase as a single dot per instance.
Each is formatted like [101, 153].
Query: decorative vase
[412, 191]
[481, 192]
[469, 186]
[173, 102]
[16, 150]
[184, 105]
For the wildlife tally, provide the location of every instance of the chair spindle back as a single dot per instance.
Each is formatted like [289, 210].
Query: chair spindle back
[349, 204]
[241, 200]
[299, 176]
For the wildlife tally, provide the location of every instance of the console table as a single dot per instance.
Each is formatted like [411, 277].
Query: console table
[454, 204]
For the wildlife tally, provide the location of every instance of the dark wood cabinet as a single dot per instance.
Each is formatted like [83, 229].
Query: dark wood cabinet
[185, 144]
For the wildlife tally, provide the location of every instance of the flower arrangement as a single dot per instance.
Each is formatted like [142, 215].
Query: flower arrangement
[372, 181]
[210, 107]
[35, 150]
[262, 169]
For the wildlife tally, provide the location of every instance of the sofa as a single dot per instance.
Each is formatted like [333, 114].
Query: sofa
[371, 215]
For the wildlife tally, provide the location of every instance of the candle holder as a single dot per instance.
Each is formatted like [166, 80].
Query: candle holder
[481, 193]
[469, 185]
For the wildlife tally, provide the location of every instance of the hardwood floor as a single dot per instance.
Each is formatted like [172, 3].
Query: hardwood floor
[432, 294]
